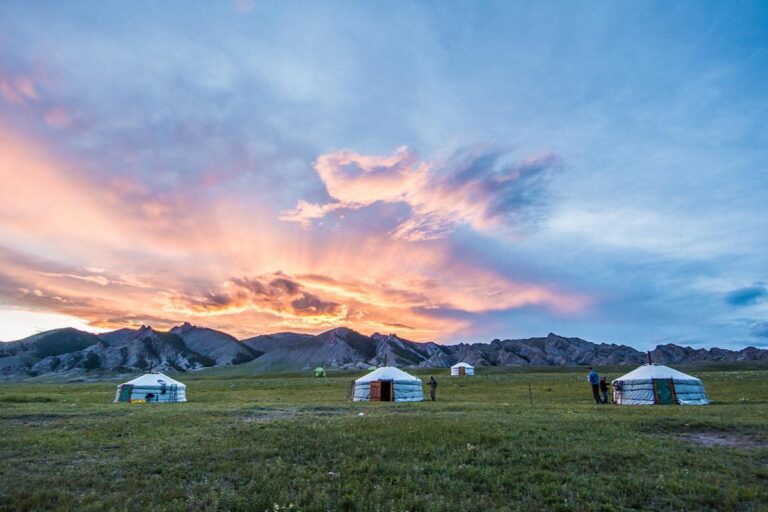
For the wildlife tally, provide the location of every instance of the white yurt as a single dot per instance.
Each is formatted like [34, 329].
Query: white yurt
[388, 384]
[461, 369]
[152, 387]
[658, 384]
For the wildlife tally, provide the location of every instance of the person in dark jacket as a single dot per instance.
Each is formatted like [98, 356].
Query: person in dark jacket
[594, 380]
[433, 387]
[604, 389]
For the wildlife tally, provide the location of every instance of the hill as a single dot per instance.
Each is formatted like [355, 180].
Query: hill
[188, 347]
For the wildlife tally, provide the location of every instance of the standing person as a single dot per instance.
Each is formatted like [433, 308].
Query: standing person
[594, 380]
[604, 389]
[433, 387]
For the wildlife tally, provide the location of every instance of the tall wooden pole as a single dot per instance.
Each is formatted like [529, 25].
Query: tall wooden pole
[530, 394]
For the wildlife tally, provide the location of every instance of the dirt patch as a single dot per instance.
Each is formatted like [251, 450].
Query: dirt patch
[326, 411]
[267, 415]
[728, 439]
[264, 415]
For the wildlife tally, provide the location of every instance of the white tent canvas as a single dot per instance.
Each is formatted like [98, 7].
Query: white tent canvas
[460, 369]
[658, 384]
[388, 384]
[152, 387]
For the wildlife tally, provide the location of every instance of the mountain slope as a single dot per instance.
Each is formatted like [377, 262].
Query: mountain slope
[188, 347]
[129, 350]
[344, 348]
[21, 355]
[337, 348]
[216, 345]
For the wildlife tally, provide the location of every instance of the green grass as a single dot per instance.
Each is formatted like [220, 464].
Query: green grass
[290, 442]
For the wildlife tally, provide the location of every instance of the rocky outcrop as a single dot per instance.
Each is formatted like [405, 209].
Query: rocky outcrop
[337, 348]
[675, 354]
[344, 348]
[128, 350]
[18, 357]
[188, 347]
[222, 348]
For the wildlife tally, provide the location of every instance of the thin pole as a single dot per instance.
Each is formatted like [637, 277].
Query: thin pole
[530, 394]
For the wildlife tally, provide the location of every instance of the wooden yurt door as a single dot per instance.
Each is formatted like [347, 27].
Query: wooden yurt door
[462, 371]
[376, 391]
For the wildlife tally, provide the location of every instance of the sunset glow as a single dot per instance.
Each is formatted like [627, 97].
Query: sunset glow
[271, 174]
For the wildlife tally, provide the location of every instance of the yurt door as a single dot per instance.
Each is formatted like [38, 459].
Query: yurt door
[125, 392]
[387, 394]
[664, 389]
[376, 391]
[462, 371]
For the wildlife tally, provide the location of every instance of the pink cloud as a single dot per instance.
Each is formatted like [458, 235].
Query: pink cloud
[57, 117]
[18, 90]
[441, 196]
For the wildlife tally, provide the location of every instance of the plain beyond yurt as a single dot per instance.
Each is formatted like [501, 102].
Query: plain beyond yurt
[461, 369]
[152, 387]
[658, 384]
[388, 384]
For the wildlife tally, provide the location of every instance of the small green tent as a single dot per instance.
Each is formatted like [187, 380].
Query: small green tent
[371, 368]
[319, 371]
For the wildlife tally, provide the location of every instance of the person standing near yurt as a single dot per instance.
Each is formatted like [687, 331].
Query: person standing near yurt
[594, 380]
[604, 389]
[433, 387]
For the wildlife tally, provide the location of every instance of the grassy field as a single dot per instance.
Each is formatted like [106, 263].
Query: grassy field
[293, 442]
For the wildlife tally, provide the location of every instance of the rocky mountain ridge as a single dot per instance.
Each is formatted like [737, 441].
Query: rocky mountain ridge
[187, 347]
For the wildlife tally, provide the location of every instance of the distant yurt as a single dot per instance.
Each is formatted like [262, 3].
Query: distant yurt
[388, 384]
[462, 369]
[152, 387]
[319, 371]
[658, 384]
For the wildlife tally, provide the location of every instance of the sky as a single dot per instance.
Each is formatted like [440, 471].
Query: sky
[446, 171]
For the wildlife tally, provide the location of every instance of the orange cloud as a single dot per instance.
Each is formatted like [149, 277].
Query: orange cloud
[117, 253]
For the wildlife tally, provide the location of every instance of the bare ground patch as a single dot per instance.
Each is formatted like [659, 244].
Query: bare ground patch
[264, 415]
[267, 415]
[739, 440]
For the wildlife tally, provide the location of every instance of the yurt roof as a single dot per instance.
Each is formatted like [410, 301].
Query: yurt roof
[152, 379]
[388, 373]
[462, 365]
[655, 371]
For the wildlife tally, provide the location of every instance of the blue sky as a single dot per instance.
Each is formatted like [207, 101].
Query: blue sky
[446, 170]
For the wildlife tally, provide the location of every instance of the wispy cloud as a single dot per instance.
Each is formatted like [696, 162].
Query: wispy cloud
[483, 190]
[18, 90]
[760, 330]
[747, 296]
[244, 6]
